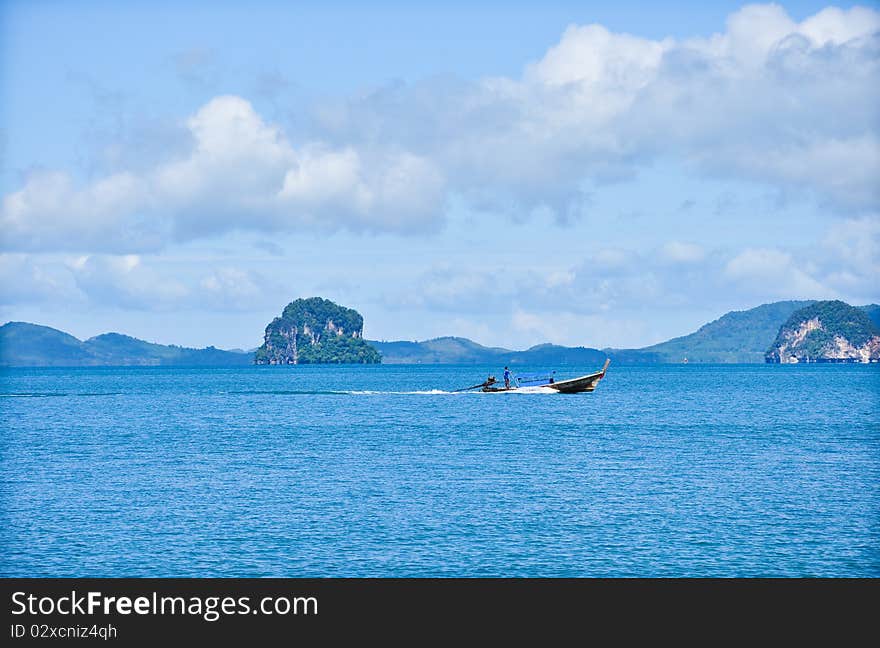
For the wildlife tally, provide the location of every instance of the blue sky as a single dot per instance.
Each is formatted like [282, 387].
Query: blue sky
[600, 174]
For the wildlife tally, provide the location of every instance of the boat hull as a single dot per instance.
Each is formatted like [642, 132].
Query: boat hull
[577, 385]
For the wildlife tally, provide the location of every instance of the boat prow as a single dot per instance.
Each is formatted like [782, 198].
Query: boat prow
[581, 383]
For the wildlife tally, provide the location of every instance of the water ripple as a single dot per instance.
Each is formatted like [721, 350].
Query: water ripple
[378, 471]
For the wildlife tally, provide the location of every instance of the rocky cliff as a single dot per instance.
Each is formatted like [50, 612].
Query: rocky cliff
[316, 331]
[827, 331]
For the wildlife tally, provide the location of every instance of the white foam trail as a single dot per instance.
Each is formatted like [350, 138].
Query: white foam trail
[441, 392]
[533, 390]
[429, 392]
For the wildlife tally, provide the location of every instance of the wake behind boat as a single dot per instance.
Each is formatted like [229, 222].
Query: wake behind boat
[577, 385]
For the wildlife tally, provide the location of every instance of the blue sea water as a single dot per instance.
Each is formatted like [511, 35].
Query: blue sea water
[688, 470]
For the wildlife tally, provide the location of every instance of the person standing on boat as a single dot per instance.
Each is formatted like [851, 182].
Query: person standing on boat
[506, 378]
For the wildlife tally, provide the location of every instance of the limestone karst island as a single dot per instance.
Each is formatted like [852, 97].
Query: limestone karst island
[316, 331]
[827, 331]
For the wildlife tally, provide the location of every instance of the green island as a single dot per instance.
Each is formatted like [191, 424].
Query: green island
[827, 331]
[316, 331]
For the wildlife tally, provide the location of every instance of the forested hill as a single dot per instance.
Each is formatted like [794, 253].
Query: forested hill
[873, 312]
[738, 336]
[827, 331]
[31, 345]
[456, 350]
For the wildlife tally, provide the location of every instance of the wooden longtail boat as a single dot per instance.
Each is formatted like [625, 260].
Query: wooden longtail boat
[581, 384]
[571, 386]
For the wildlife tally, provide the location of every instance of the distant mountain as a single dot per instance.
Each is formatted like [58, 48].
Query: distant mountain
[316, 331]
[443, 350]
[30, 345]
[873, 312]
[552, 354]
[456, 350]
[738, 336]
[827, 331]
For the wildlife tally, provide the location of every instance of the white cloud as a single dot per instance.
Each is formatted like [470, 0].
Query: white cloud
[768, 273]
[50, 212]
[835, 26]
[443, 288]
[600, 60]
[23, 279]
[123, 281]
[241, 173]
[790, 104]
[618, 283]
[230, 288]
[574, 329]
[852, 258]
[682, 252]
[396, 191]
[609, 279]
[132, 282]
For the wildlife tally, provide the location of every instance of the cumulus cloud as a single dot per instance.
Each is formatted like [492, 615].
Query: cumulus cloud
[24, 280]
[132, 282]
[851, 258]
[230, 288]
[614, 296]
[790, 104]
[241, 173]
[772, 273]
[389, 191]
[682, 252]
[51, 213]
[575, 329]
[605, 280]
[124, 281]
[444, 288]
[616, 283]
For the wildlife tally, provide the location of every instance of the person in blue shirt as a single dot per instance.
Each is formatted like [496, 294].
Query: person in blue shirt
[506, 378]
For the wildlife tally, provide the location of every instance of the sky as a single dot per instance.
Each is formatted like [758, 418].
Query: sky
[583, 173]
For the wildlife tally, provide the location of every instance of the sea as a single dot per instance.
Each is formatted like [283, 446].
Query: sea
[314, 471]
